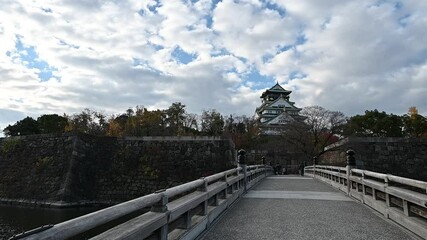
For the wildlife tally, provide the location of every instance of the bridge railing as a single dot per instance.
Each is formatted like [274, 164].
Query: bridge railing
[400, 199]
[180, 212]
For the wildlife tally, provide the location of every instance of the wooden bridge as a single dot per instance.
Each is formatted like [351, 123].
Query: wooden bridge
[249, 202]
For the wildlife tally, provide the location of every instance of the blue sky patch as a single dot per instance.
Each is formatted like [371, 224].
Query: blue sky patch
[220, 52]
[403, 21]
[214, 3]
[140, 63]
[153, 7]
[398, 5]
[259, 81]
[209, 21]
[297, 74]
[183, 57]
[31, 60]
[285, 48]
[301, 39]
[272, 6]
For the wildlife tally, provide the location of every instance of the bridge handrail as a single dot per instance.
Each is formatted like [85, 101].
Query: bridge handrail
[361, 172]
[407, 181]
[392, 178]
[90, 221]
[396, 197]
[329, 167]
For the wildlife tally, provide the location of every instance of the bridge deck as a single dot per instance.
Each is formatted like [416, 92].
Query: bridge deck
[292, 207]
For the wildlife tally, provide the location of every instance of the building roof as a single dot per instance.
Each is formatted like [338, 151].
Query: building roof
[276, 89]
[280, 102]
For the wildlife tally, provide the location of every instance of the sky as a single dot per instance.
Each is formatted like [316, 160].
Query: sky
[61, 56]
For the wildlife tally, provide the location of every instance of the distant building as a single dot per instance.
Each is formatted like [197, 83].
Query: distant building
[276, 111]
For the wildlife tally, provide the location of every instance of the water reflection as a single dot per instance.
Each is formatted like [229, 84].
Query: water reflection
[15, 219]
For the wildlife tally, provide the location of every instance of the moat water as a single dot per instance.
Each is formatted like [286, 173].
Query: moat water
[16, 219]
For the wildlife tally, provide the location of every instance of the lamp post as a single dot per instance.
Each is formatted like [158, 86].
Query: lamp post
[351, 163]
[241, 158]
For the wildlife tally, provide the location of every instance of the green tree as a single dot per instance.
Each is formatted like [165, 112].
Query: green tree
[52, 123]
[26, 126]
[175, 117]
[375, 124]
[212, 123]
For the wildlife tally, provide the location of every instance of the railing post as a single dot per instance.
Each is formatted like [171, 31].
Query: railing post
[265, 164]
[351, 163]
[204, 188]
[387, 196]
[162, 207]
[405, 207]
[225, 179]
[242, 163]
[314, 166]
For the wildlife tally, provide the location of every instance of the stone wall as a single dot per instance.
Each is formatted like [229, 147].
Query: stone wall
[406, 157]
[34, 167]
[85, 169]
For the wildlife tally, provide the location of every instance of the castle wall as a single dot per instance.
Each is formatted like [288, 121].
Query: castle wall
[406, 157]
[85, 169]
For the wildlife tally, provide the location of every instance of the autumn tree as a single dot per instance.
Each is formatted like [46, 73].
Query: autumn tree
[414, 125]
[242, 130]
[153, 123]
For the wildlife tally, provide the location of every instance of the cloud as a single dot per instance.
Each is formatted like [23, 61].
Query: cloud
[247, 30]
[110, 55]
[356, 59]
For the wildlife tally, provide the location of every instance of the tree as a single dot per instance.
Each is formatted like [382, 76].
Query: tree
[191, 126]
[153, 123]
[52, 123]
[414, 125]
[26, 126]
[175, 117]
[324, 126]
[114, 128]
[212, 123]
[413, 111]
[375, 124]
[297, 137]
[88, 121]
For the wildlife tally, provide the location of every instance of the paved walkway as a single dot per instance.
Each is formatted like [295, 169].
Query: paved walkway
[292, 207]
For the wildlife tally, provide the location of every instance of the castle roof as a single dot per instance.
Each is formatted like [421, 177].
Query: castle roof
[276, 89]
[280, 102]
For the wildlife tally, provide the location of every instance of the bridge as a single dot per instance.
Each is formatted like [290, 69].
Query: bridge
[248, 202]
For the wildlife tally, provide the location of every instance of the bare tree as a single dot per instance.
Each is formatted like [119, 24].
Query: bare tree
[320, 128]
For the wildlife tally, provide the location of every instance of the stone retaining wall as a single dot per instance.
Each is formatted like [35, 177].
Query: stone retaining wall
[406, 157]
[67, 169]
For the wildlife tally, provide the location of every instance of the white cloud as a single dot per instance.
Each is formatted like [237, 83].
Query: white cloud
[249, 31]
[111, 55]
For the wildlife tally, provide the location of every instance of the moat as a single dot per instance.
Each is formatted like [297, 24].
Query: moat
[17, 219]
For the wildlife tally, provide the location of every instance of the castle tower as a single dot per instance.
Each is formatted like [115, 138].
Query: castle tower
[276, 111]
